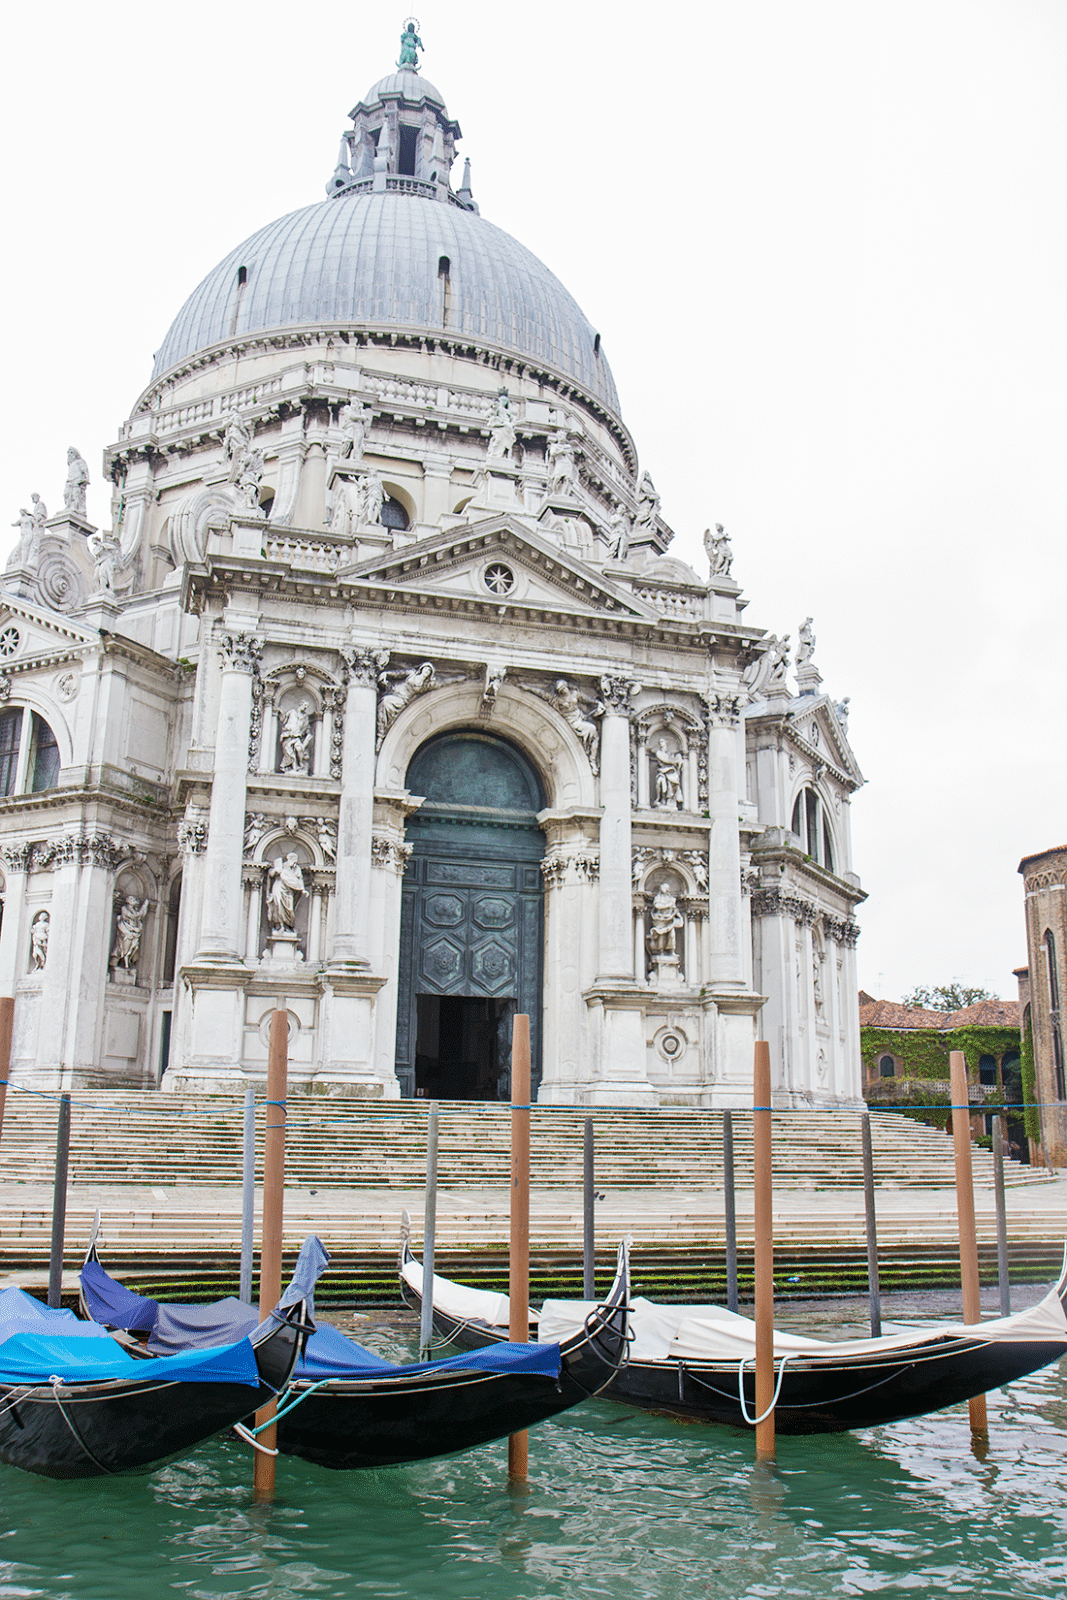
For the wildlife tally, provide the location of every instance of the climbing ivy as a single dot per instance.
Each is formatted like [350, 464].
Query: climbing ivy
[1031, 1115]
[924, 1053]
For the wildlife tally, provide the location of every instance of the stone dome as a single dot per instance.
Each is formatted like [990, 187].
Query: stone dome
[374, 260]
[411, 85]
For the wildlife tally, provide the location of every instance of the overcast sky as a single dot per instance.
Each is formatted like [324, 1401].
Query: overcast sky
[825, 245]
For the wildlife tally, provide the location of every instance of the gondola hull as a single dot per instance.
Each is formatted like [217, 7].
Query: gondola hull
[828, 1393]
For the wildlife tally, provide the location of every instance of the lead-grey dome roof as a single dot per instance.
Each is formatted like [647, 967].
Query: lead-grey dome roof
[374, 259]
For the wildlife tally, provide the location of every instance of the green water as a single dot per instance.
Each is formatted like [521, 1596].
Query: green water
[619, 1504]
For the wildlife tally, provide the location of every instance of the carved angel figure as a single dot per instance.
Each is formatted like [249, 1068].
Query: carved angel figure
[666, 920]
[295, 739]
[370, 497]
[398, 689]
[501, 429]
[39, 930]
[255, 828]
[668, 776]
[128, 929]
[568, 702]
[285, 886]
[720, 556]
[74, 490]
[353, 419]
[841, 707]
[778, 659]
[326, 833]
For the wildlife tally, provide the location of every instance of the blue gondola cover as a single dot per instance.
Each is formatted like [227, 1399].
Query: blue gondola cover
[37, 1357]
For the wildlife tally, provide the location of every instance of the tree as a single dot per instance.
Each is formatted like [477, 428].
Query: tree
[947, 996]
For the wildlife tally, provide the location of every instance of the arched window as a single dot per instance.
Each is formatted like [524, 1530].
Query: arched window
[887, 1067]
[394, 515]
[29, 753]
[987, 1071]
[812, 827]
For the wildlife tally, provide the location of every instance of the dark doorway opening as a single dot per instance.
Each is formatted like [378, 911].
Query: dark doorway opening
[463, 1047]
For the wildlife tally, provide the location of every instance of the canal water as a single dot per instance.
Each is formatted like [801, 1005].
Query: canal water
[618, 1504]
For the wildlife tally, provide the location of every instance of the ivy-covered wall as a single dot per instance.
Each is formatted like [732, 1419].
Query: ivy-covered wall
[924, 1054]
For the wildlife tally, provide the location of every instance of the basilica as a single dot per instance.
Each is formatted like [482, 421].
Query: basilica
[383, 702]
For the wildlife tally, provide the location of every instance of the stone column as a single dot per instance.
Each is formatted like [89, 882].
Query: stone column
[355, 821]
[220, 928]
[12, 967]
[724, 854]
[616, 895]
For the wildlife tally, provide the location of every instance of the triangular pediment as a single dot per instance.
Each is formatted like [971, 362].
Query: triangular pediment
[29, 634]
[820, 733]
[500, 561]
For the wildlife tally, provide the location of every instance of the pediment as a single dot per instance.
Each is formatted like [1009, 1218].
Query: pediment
[500, 560]
[29, 634]
[820, 733]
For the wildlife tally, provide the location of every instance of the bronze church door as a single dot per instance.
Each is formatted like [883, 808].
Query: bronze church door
[472, 918]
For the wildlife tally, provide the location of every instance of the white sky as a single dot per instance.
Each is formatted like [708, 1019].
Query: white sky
[825, 246]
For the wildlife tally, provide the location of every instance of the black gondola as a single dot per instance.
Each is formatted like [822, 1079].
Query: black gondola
[75, 1404]
[346, 1407]
[697, 1362]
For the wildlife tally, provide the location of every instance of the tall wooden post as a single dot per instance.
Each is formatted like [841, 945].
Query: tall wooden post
[763, 1218]
[519, 1256]
[730, 1209]
[59, 1204]
[270, 1254]
[7, 1019]
[969, 1280]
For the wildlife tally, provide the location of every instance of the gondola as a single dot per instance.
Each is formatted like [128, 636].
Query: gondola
[346, 1407]
[697, 1362]
[74, 1403]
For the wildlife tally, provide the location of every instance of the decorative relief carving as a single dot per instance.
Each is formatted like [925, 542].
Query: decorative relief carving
[397, 690]
[364, 667]
[81, 849]
[842, 930]
[645, 856]
[241, 651]
[617, 695]
[770, 902]
[578, 712]
[726, 709]
[556, 870]
[749, 880]
[389, 853]
[5, 687]
[16, 857]
[192, 836]
[333, 700]
[255, 728]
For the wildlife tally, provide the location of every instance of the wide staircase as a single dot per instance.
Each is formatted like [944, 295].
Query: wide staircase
[166, 1172]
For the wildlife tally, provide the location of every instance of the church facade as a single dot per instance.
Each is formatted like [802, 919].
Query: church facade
[383, 702]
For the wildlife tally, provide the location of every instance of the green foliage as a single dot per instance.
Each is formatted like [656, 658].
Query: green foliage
[1031, 1116]
[947, 996]
[924, 1053]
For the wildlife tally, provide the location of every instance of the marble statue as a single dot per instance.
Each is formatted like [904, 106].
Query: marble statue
[247, 477]
[719, 554]
[105, 552]
[128, 929]
[285, 886]
[501, 429]
[494, 677]
[353, 419]
[255, 828]
[21, 554]
[398, 689]
[39, 513]
[668, 776]
[39, 929]
[370, 497]
[409, 44]
[295, 739]
[74, 490]
[666, 920]
[778, 658]
[326, 832]
[841, 707]
[562, 471]
[619, 531]
[805, 642]
[568, 702]
[237, 438]
[647, 503]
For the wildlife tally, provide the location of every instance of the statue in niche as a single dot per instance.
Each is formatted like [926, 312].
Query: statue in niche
[778, 659]
[669, 765]
[370, 497]
[816, 978]
[105, 552]
[247, 477]
[39, 930]
[409, 44]
[647, 503]
[285, 886]
[353, 419]
[398, 689]
[805, 642]
[568, 702]
[666, 921]
[76, 486]
[237, 438]
[501, 429]
[295, 739]
[720, 556]
[619, 531]
[255, 828]
[562, 469]
[128, 929]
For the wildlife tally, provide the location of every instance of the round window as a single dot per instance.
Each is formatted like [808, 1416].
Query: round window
[9, 641]
[499, 579]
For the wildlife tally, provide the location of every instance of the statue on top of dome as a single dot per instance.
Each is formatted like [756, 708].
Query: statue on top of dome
[409, 43]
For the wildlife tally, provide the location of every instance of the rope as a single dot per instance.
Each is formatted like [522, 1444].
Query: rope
[56, 1382]
[741, 1365]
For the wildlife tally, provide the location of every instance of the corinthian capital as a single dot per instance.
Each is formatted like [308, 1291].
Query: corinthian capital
[363, 666]
[617, 694]
[240, 651]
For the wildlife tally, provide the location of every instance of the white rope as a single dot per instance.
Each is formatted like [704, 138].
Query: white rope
[741, 1365]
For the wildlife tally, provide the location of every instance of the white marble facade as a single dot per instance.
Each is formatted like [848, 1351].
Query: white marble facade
[333, 541]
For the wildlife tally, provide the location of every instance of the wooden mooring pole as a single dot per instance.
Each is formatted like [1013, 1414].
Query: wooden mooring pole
[588, 1215]
[1003, 1271]
[59, 1204]
[429, 1236]
[874, 1295]
[730, 1208]
[519, 1255]
[969, 1280]
[270, 1253]
[763, 1219]
[7, 1019]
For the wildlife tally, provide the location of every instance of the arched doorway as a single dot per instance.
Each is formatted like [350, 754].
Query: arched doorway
[472, 920]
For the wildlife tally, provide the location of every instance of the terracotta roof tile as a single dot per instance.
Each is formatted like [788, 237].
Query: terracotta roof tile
[986, 1014]
[888, 1014]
